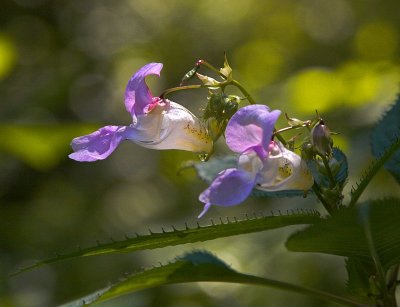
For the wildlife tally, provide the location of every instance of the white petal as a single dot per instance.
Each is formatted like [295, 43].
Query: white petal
[171, 126]
[250, 162]
[284, 170]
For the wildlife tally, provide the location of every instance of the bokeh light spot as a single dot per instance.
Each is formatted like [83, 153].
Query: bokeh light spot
[312, 89]
[8, 56]
[377, 40]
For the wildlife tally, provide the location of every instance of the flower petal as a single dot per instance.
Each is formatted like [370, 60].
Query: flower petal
[97, 145]
[171, 126]
[251, 128]
[284, 170]
[229, 188]
[137, 94]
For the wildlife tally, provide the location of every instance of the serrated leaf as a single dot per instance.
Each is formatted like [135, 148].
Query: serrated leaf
[279, 194]
[344, 235]
[386, 132]
[210, 169]
[371, 172]
[188, 235]
[339, 168]
[201, 266]
[88, 299]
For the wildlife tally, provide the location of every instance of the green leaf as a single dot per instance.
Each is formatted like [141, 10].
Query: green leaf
[88, 299]
[199, 266]
[188, 235]
[344, 233]
[387, 132]
[210, 169]
[338, 165]
[371, 172]
[359, 273]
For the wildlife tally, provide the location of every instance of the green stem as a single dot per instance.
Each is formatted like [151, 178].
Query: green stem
[328, 170]
[181, 88]
[317, 192]
[209, 66]
[278, 132]
[288, 129]
[232, 82]
[243, 90]
[280, 138]
[374, 255]
[392, 278]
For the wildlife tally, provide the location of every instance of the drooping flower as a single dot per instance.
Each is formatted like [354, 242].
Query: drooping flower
[263, 164]
[156, 123]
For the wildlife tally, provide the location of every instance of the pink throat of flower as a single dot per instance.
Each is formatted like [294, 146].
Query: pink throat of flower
[273, 148]
[155, 102]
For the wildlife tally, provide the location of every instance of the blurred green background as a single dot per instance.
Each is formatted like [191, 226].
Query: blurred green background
[64, 66]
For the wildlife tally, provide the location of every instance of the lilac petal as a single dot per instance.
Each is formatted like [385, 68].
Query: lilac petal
[97, 145]
[137, 94]
[229, 188]
[251, 128]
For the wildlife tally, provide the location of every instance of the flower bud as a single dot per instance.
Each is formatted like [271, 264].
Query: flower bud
[215, 129]
[220, 108]
[321, 139]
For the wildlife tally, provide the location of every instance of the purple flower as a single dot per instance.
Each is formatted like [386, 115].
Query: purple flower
[156, 124]
[263, 164]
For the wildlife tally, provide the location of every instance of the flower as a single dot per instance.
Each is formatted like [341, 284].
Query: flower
[263, 164]
[156, 123]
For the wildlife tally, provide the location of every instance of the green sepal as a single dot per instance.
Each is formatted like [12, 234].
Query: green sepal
[226, 70]
[208, 80]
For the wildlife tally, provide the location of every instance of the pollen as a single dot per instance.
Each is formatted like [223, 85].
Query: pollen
[285, 170]
[201, 133]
